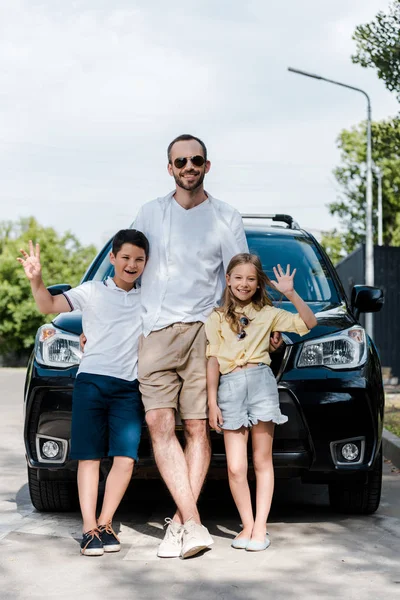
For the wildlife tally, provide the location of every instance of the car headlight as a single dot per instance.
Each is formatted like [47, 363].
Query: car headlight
[343, 350]
[55, 348]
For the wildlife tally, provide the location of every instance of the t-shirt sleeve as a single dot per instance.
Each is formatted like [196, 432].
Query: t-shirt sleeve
[213, 334]
[287, 321]
[79, 297]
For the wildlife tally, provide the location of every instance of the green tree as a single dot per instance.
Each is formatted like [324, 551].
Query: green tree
[64, 260]
[378, 46]
[334, 245]
[351, 177]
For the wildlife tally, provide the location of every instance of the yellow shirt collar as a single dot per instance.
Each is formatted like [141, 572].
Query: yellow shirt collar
[249, 310]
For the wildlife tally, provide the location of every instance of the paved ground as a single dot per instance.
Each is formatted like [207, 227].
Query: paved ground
[314, 553]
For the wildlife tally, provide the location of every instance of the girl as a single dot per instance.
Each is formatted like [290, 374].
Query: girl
[242, 390]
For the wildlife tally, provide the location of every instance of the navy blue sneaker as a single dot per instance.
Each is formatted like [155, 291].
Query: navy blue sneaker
[91, 544]
[109, 538]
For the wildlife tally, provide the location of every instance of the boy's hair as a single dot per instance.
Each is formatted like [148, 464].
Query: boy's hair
[130, 236]
[185, 137]
[260, 298]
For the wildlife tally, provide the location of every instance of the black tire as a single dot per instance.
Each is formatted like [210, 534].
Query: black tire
[358, 498]
[52, 496]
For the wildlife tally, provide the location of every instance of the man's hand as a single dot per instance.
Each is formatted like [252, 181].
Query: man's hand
[31, 262]
[276, 340]
[82, 341]
[215, 417]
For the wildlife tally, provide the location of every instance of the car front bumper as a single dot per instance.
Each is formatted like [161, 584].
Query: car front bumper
[320, 411]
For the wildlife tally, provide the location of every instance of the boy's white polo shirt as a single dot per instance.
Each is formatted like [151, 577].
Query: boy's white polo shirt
[111, 321]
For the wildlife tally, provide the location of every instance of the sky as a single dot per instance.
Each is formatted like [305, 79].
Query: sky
[93, 91]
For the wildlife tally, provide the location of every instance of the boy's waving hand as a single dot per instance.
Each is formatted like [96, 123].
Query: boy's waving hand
[46, 303]
[31, 262]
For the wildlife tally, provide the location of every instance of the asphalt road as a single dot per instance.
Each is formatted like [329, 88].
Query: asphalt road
[314, 553]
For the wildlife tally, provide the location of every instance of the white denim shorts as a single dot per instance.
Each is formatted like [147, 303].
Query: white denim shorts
[248, 396]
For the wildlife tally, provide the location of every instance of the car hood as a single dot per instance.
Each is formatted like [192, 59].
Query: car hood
[330, 319]
[71, 322]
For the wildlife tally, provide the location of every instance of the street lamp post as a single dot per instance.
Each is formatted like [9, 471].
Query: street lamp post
[378, 173]
[369, 240]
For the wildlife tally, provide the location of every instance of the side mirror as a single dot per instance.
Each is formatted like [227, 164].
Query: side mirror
[60, 288]
[366, 299]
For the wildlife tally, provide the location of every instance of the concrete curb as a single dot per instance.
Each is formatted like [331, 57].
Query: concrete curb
[391, 447]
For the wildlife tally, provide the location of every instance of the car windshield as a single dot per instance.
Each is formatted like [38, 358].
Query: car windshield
[313, 281]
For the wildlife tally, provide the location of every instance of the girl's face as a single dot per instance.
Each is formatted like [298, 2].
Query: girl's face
[243, 282]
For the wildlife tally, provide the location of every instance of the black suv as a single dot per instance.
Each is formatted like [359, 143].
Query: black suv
[330, 385]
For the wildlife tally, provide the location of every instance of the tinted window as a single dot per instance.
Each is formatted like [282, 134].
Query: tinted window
[312, 280]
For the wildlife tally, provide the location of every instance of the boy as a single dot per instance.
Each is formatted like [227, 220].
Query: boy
[107, 410]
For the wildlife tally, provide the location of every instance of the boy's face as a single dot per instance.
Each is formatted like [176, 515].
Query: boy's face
[128, 263]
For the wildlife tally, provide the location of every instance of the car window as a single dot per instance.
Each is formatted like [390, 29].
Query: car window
[313, 281]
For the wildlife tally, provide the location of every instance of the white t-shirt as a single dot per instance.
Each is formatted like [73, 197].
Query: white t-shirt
[154, 219]
[194, 259]
[111, 320]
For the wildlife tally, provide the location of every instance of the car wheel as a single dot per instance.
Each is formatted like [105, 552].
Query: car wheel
[52, 496]
[358, 498]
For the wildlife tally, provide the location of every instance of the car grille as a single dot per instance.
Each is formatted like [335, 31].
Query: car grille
[289, 437]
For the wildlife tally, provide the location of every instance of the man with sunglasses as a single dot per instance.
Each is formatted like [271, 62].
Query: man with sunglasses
[192, 238]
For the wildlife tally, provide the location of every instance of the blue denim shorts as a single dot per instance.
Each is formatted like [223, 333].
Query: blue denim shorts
[248, 396]
[107, 417]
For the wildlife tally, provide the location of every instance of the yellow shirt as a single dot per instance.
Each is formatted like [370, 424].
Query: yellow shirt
[231, 352]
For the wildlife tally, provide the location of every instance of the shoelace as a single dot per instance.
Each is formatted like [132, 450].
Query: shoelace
[189, 529]
[171, 531]
[92, 533]
[108, 529]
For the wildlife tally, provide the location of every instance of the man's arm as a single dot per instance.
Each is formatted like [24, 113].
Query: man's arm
[139, 223]
[46, 303]
[238, 231]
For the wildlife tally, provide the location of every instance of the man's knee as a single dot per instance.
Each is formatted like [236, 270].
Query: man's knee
[161, 422]
[196, 428]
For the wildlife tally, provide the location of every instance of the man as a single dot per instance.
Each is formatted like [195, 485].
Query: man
[192, 238]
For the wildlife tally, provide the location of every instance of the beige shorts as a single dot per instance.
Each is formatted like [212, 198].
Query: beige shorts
[172, 370]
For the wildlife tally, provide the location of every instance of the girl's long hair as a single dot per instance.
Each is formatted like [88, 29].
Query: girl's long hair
[260, 298]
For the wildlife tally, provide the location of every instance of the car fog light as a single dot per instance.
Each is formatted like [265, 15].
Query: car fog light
[50, 449]
[350, 451]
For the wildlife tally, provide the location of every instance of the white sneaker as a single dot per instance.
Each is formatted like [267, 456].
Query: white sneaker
[171, 545]
[195, 539]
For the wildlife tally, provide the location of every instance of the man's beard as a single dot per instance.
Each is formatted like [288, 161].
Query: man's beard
[189, 186]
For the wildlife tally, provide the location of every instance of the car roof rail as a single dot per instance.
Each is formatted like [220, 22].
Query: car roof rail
[290, 222]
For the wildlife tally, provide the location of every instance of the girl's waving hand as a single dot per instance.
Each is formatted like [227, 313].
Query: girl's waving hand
[284, 284]
[284, 281]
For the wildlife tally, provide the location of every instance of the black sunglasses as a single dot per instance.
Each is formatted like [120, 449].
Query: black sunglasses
[197, 161]
[244, 321]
